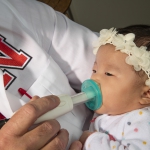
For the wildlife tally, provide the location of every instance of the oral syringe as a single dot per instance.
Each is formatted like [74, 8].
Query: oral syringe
[90, 95]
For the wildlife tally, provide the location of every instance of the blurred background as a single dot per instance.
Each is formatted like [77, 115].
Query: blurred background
[98, 14]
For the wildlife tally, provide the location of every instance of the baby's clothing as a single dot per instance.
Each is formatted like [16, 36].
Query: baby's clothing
[130, 131]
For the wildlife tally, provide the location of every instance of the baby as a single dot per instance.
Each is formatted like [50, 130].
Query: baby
[122, 69]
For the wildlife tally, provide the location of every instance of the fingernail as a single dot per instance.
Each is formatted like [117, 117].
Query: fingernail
[79, 144]
[55, 99]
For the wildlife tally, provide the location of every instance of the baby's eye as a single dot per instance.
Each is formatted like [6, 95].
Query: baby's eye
[94, 71]
[108, 74]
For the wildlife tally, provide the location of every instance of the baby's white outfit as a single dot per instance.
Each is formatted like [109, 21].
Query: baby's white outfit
[130, 131]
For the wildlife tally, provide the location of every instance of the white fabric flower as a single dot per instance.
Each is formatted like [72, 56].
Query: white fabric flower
[147, 82]
[138, 57]
[106, 36]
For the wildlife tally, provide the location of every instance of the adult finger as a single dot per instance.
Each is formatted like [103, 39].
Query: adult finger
[84, 136]
[34, 98]
[77, 145]
[38, 137]
[27, 115]
[59, 142]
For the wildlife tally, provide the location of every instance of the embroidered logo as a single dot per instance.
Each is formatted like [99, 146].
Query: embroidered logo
[11, 58]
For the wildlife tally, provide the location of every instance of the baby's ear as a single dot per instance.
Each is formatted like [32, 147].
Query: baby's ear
[145, 100]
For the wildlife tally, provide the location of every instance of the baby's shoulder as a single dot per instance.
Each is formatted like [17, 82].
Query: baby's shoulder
[138, 116]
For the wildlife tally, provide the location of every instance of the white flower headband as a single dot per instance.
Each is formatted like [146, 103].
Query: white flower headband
[138, 57]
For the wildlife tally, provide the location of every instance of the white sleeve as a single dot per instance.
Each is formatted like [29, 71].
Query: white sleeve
[72, 49]
[135, 136]
[68, 43]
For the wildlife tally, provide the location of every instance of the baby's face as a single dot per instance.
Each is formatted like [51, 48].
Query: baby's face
[121, 86]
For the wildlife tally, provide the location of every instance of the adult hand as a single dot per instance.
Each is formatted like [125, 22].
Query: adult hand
[77, 145]
[84, 136]
[15, 134]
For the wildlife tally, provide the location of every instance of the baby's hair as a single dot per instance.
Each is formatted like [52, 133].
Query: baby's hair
[142, 34]
[142, 37]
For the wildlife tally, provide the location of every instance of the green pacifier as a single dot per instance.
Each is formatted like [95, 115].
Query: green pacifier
[93, 93]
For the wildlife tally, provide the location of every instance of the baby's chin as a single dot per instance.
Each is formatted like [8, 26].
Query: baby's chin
[102, 111]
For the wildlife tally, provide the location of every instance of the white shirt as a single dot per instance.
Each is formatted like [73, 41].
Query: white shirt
[43, 52]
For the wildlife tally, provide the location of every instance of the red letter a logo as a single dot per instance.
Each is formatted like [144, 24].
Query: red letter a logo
[11, 58]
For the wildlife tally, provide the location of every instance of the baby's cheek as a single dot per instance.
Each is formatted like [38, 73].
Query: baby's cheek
[101, 110]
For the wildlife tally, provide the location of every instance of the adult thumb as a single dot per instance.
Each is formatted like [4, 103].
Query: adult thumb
[76, 145]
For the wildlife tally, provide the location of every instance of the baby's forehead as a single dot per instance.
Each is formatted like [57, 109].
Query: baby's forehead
[109, 58]
[113, 66]
[107, 53]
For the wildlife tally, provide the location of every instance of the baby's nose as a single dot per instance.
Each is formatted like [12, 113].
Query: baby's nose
[96, 78]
